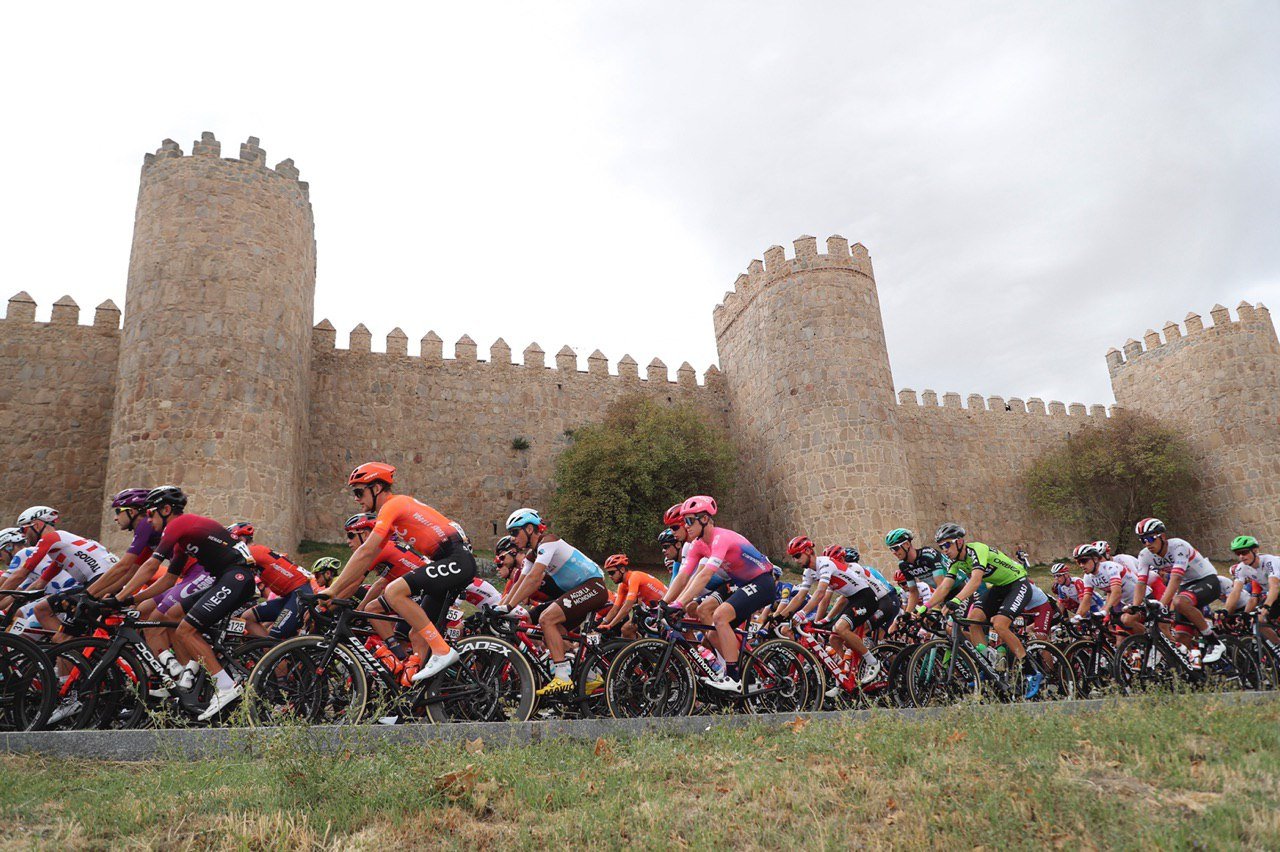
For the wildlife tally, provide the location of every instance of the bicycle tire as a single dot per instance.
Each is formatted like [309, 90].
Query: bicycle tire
[934, 681]
[1059, 679]
[1094, 668]
[28, 684]
[285, 685]
[1245, 659]
[782, 676]
[119, 700]
[1137, 670]
[595, 664]
[492, 682]
[636, 688]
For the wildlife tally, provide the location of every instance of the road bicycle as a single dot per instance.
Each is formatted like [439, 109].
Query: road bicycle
[1151, 659]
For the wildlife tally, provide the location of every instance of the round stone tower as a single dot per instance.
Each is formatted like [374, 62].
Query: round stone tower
[811, 401]
[215, 355]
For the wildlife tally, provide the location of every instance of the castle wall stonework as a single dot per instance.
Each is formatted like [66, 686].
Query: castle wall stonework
[218, 382]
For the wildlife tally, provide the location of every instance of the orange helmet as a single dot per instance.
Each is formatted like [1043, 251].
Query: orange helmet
[617, 561]
[372, 472]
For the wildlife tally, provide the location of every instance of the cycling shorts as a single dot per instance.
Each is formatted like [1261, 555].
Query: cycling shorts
[581, 601]
[228, 592]
[1202, 592]
[282, 613]
[858, 611]
[752, 596]
[888, 608]
[437, 584]
[196, 582]
[1039, 617]
[1007, 600]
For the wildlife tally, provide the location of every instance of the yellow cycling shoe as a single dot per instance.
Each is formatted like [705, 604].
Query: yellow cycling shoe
[594, 685]
[557, 686]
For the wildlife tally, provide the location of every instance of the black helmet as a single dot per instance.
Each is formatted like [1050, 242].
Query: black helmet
[504, 544]
[667, 538]
[949, 531]
[167, 495]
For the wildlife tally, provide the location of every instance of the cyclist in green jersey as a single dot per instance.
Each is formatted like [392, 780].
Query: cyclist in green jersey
[1008, 589]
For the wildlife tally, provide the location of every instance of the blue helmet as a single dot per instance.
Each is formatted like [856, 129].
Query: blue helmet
[785, 590]
[851, 554]
[520, 517]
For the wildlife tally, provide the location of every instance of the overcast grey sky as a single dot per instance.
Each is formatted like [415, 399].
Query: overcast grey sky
[1035, 182]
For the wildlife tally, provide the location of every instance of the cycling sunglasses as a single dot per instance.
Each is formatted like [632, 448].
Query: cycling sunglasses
[690, 520]
[1147, 539]
[358, 491]
[948, 544]
[901, 546]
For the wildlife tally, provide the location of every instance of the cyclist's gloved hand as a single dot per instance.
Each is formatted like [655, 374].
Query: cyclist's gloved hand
[499, 609]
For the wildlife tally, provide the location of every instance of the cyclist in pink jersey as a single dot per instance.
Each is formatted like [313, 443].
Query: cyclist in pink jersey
[714, 551]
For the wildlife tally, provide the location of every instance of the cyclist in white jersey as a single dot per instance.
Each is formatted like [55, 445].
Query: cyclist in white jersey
[1108, 579]
[1193, 581]
[1260, 570]
[809, 595]
[858, 598]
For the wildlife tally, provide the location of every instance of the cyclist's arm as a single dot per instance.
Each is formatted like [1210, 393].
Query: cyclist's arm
[1233, 597]
[913, 598]
[697, 584]
[375, 590]
[815, 599]
[145, 572]
[1083, 609]
[159, 587]
[940, 593]
[1139, 592]
[797, 601]
[619, 599]
[1113, 597]
[1273, 592]
[115, 577]
[836, 608]
[1171, 588]
[677, 586]
[529, 584]
[357, 566]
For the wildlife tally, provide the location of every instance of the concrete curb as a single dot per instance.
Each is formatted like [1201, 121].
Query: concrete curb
[197, 743]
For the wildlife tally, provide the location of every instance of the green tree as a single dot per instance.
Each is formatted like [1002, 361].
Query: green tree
[617, 477]
[1106, 477]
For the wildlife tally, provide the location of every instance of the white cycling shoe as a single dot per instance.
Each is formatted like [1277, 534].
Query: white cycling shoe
[724, 683]
[69, 707]
[1215, 651]
[870, 673]
[437, 664]
[222, 698]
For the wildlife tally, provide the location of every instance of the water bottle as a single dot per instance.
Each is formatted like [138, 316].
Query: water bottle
[1194, 656]
[709, 656]
[383, 654]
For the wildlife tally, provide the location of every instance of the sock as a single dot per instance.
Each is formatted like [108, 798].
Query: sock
[166, 656]
[562, 670]
[224, 680]
[870, 657]
[1208, 633]
[439, 647]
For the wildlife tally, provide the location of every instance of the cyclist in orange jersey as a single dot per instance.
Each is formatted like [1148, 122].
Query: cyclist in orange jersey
[633, 587]
[450, 565]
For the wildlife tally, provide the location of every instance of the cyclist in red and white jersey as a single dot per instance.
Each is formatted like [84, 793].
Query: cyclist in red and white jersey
[1261, 571]
[1193, 581]
[283, 582]
[1113, 581]
[858, 598]
[481, 593]
[809, 597]
[716, 549]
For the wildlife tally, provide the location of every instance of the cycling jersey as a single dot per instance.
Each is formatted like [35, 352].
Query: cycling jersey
[1127, 561]
[204, 540]
[542, 594]
[729, 552]
[1110, 574]
[849, 579]
[83, 558]
[481, 593]
[1180, 558]
[145, 539]
[812, 575]
[639, 586]
[1258, 576]
[929, 567]
[396, 559]
[566, 565]
[1036, 597]
[416, 524]
[874, 573]
[276, 572]
[1071, 592]
[997, 568]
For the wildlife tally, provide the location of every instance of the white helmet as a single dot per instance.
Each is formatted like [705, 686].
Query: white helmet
[10, 536]
[38, 513]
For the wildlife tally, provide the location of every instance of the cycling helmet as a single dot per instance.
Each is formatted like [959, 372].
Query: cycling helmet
[1090, 550]
[362, 522]
[1105, 547]
[167, 495]
[241, 531]
[1243, 542]
[1149, 526]
[698, 505]
[899, 577]
[38, 513]
[10, 536]
[130, 498]
[371, 472]
[949, 531]
[672, 516]
[504, 544]
[521, 517]
[1060, 569]
[835, 553]
[896, 537]
[799, 545]
[668, 538]
[617, 561]
[777, 573]
[851, 554]
[326, 563]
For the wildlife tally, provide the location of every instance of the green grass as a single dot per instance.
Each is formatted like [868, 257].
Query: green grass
[1169, 772]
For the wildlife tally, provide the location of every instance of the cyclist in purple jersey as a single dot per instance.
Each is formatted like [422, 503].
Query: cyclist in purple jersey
[129, 517]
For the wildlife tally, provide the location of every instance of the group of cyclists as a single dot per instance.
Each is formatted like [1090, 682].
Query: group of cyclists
[184, 576]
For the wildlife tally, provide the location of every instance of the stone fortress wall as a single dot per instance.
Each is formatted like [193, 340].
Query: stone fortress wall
[224, 387]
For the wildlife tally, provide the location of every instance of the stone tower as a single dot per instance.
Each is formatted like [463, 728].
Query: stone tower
[1218, 387]
[214, 368]
[811, 401]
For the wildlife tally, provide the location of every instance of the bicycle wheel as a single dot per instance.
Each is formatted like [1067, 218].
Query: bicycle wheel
[937, 678]
[898, 693]
[492, 682]
[1093, 667]
[290, 684]
[589, 678]
[1142, 665]
[1253, 676]
[242, 658]
[640, 682]
[28, 684]
[1046, 674]
[781, 676]
[118, 700]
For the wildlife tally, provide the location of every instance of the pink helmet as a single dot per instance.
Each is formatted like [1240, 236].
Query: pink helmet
[698, 504]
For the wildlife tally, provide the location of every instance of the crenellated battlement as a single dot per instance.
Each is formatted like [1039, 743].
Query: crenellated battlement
[776, 266]
[208, 147]
[466, 352]
[65, 311]
[1249, 318]
[997, 405]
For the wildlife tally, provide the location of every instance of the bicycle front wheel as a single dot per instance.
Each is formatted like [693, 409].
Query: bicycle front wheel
[650, 677]
[293, 683]
[28, 684]
[781, 676]
[492, 682]
[117, 699]
[1046, 674]
[936, 677]
[1143, 665]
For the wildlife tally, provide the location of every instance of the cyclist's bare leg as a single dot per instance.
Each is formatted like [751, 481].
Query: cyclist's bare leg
[977, 635]
[553, 635]
[723, 637]
[1004, 628]
[400, 599]
[190, 636]
[849, 637]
